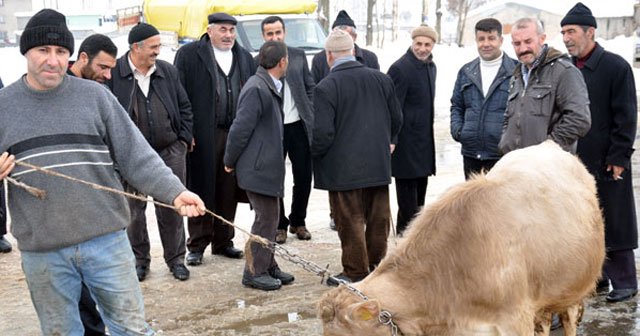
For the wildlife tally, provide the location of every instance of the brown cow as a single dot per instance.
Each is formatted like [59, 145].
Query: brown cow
[486, 256]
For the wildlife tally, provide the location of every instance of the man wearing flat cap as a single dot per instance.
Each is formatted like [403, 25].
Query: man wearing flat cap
[319, 65]
[414, 160]
[607, 148]
[357, 118]
[75, 235]
[213, 71]
[150, 91]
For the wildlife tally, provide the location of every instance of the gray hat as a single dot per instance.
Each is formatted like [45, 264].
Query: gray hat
[338, 40]
[222, 18]
[426, 31]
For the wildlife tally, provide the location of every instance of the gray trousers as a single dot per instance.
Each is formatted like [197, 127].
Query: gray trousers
[267, 209]
[170, 223]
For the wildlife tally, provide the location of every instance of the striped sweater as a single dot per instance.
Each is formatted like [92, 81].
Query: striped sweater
[78, 129]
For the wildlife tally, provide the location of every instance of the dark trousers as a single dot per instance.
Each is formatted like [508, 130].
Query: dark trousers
[91, 320]
[410, 194]
[170, 223]
[265, 224]
[620, 268]
[475, 166]
[362, 219]
[205, 230]
[3, 211]
[295, 144]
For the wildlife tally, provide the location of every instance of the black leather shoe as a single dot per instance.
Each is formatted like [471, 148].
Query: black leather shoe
[230, 252]
[180, 272]
[5, 245]
[194, 258]
[277, 273]
[263, 282]
[336, 280]
[618, 295]
[142, 272]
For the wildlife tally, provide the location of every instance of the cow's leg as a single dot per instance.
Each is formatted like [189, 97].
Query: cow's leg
[520, 323]
[543, 323]
[570, 319]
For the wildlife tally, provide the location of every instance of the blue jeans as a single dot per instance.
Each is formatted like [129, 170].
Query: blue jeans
[107, 266]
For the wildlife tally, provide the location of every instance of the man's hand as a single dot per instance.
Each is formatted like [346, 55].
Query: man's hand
[616, 171]
[392, 147]
[189, 204]
[228, 170]
[7, 163]
[193, 145]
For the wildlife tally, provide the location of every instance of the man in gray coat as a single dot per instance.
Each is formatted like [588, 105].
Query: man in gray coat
[547, 97]
[297, 94]
[254, 152]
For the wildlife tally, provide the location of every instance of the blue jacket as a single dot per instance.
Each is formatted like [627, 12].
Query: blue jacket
[476, 121]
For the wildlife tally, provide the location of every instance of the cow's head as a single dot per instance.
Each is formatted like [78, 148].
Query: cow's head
[343, 313]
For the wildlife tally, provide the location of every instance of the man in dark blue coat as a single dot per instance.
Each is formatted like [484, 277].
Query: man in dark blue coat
[414, 159]
[213, 71]
[357, 115]
[606, 149]
[254, 152]
[297, 95]
[479, 99]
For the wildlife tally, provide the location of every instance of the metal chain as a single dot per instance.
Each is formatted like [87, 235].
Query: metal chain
[309, 266]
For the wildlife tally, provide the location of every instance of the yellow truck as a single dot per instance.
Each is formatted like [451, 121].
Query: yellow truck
[188, 19]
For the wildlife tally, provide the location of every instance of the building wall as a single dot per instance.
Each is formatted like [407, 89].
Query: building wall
[8, 22]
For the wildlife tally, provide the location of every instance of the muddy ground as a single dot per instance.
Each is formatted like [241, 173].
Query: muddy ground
[213, 301]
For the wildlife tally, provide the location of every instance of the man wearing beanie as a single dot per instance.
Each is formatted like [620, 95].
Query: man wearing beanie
[550, 99]
[479, 99]
[75, 234]
[150, 91]
[413, 160]
[213, 71]
[319, 65]
[357, 118]
[607, 148]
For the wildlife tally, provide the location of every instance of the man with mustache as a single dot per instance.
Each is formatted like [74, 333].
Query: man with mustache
[150, 91]
[547, 97]
[213, 70]
[480, 99]
[606, 150]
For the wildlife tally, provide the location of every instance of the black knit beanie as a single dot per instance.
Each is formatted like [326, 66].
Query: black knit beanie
[47, 27]
[343, 19]
[579, 15]
[141, 32]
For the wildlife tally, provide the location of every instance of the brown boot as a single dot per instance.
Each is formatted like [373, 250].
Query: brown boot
[281, 236]
[301, 232]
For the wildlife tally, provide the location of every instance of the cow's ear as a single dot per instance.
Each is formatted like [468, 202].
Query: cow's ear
[365, 311]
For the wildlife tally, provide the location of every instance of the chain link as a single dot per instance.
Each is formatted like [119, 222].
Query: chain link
[309, 266]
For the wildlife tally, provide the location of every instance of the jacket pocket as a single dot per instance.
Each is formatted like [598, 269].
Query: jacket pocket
[541, 99]
[257, 165]
[510, 110]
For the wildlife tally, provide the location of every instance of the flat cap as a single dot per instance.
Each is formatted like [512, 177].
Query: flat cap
[221, 17]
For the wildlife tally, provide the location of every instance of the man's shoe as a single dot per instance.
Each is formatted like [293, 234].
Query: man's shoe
[336, 280]
[142, 272]
[281, 236]
[180, 272]
[194, 258]
[263, 282]
[332, 225]
[230, 252]
[5, 245]
[301, 232]
[618, 295]
[277, 273]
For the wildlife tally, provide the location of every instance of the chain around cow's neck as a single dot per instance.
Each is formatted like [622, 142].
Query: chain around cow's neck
[385, 317]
